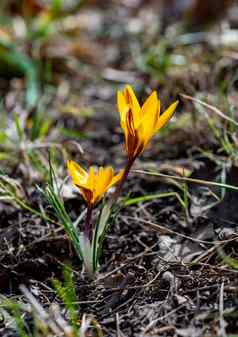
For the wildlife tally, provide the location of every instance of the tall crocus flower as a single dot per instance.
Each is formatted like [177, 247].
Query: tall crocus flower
[93, 184]
[140, 123]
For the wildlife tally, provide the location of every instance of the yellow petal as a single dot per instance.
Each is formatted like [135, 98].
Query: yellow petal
[121, 102]
[165, 117]
[80, 179]
[150, 105]
[143, 136]
[133, 103]
[91, 179]
[77, 173]
[130, 125]
[116, 178]
[74, 167]
[123, 107]
[104, 178]
[131, 97]
[150, 118]
[134, 144]
[87, 195]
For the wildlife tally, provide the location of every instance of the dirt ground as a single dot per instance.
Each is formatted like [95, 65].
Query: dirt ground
[169, 264]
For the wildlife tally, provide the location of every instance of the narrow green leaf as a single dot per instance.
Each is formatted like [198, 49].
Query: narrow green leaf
[133, 201]
[99, 234]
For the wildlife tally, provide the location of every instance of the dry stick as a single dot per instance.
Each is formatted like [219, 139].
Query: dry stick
[164, 329]
[153, 323]
[129, 260]
[210, 251]
[118, 324]
[214, 109]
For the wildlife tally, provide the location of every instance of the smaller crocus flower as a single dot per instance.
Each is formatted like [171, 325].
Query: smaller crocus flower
[140, 123]
[93, 184]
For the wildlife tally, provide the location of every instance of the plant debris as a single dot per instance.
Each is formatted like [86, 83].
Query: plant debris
[169, 264]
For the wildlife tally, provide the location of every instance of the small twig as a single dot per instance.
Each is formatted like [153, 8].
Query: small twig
[153, 279]
[153, 323]
[118, 325]
[128, 262]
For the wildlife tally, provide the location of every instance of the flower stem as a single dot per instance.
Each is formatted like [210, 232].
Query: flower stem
[121, 183]
[88, 223]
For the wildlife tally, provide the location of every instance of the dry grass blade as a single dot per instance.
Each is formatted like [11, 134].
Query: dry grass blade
[87, 322]
[55, 323]
[165, 230]
[42, 315]
[191, 180]
[221, 310]
[210, 107]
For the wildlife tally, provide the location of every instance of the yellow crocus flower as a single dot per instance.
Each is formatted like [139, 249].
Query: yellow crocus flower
[93, 184]
[140, 123]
